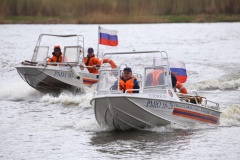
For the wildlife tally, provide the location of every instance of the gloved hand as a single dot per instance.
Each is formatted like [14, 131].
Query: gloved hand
[96, 66]
[81, 67]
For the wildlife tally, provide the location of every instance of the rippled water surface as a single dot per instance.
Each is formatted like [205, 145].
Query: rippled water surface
[40, 126]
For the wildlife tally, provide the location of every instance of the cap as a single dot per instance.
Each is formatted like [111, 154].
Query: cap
[57, 48]
[90, 50]
[127, 69]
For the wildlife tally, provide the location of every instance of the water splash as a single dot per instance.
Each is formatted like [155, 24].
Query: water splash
[19, 91]
[68, 98]
[233, 84]
[231, 116]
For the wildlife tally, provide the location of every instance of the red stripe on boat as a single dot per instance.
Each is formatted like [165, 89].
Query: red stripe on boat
[195, 115]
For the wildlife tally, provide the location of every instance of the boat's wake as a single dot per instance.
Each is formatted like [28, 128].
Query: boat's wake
[21, 91]
[69, 99]
[231, 116]
[177, 127]
[233, 84]
[230, 81]
[18, 91]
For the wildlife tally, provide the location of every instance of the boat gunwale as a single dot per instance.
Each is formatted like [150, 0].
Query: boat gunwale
[147, 98]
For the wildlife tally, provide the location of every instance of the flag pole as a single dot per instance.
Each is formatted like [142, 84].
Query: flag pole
[98, 40]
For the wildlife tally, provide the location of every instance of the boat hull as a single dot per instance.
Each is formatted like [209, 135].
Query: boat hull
[128, 112]
[53, 79]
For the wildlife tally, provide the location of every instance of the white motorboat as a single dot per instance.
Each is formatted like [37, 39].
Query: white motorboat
[52, 77]
[157, 105]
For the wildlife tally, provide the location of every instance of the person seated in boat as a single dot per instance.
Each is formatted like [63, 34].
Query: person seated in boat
[127, 81]
[156, 77]
[56, 55]
[92, 62]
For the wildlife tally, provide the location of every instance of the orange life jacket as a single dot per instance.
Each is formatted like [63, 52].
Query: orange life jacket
[181, 88]
[91, 61]
[129, 84]
[55, 59]
[153, 77]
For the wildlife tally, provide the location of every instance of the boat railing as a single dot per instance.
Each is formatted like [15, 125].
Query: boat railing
[215, 104]
[109, 92]
[29, 63]
[132, 90]
[143, 90]
[195, 99]
[198, 100]
[80, 38]
[134, 52]
[129, 91]
[58, 63]
[156, 87]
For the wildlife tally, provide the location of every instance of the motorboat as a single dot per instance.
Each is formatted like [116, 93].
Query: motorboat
[157, 105]
[52, 77]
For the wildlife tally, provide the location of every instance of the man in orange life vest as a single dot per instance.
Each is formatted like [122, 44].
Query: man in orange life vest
[91, 61]
[127, 81]
[156, 78]
[57, 55]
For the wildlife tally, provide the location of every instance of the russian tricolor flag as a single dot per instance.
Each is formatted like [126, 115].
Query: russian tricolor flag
[108, 37]
[179, 69]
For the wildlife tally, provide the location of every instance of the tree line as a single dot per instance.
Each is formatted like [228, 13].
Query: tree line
[84, 9]
[117, 7]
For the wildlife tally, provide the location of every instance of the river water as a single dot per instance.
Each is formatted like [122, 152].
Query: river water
[40, 126]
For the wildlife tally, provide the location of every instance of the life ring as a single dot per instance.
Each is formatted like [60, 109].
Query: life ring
[111, 62]
[181, 88]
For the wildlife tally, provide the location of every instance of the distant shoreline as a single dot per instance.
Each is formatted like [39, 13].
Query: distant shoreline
[99, 19]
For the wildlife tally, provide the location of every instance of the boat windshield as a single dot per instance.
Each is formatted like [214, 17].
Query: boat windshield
[142, 63]
[108, 81]
[71, 54]
[71, 47]
[157, 76]
[40, 54]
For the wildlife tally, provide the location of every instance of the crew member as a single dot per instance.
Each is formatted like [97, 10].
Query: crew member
[56, 55]
[92, 62]
[156, 77]
[127, 81]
